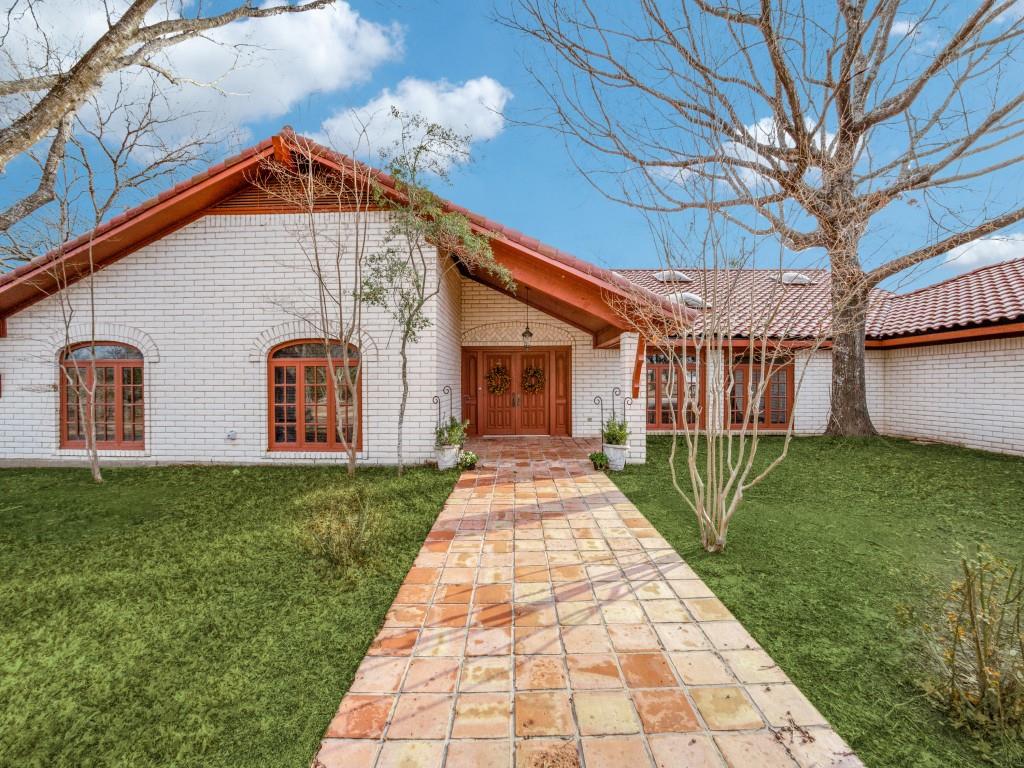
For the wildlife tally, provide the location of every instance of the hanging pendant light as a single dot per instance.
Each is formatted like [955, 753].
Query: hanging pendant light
[527, 334]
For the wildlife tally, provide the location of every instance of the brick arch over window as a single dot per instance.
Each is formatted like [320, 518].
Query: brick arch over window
[510, 332]
[302, 397]
[122, 334]
[297, 330]
[112, 372]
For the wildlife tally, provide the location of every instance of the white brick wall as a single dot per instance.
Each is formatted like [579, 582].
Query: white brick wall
[205, 304]
[969, 394]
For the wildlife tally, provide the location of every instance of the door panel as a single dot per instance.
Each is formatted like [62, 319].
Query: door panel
[471, 388]
[517, 412]
[499, 410]
[532, 408]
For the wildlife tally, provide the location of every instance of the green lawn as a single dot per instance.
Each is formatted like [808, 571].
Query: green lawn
[823, 555]
[170, 616]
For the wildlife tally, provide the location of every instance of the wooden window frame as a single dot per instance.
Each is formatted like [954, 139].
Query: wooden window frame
[701, 366]
[750, 363]
[119, 443]
[333, 445]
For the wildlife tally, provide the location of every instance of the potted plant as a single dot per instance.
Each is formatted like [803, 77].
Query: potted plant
[599, 459]
[616, 439]
[468, 460]
[450, 438]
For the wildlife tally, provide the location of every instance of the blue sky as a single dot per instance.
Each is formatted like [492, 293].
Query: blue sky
[455, 59]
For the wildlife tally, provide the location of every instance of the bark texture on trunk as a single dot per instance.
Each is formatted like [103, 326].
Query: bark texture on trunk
[848, 414]
[405, 398]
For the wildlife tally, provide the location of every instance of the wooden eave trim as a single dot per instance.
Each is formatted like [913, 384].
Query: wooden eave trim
[638, 365]
[608, 338]
[948, 337]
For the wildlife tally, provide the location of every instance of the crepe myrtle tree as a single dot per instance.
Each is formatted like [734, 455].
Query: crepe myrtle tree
[46, 80]
[741, 339]
[333, 234]
[426, 240]
[100, 167]
[812, 118]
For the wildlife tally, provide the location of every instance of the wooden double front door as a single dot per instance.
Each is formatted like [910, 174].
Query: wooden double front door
[503, 394]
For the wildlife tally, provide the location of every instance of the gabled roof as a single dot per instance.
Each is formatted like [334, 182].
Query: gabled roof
[560, 284]
[985, 296]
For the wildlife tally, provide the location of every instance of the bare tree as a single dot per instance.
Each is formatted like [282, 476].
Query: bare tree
[336, 242]
[427, 240]
[100, 169]
[812, 118]
[732, 347]
[41, 93]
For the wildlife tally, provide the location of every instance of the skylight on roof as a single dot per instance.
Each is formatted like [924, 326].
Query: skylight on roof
[672, 276]
[795, 278]
[689, 299]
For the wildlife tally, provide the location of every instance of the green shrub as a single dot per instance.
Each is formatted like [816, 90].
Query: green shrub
[616, 432]
[339, 527]
[599, 459]
[468, 460]
[452, 433]
[976, 647]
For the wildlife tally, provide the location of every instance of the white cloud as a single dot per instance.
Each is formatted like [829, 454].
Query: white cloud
[766, 132]
[473, 108]
[264, 66]
[901, 28]
[988, 250]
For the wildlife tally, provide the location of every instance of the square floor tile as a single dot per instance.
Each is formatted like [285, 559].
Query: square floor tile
[586, 639]
[665, 611]
[482, 716]
[486, 674]
[725, 709]
[454, 593]
[411, 754]
[754, 667]
[665, 710]
[539, 672]
[547, 753]
[493, 593]
[701, 668]
[441, 641]
[615, 752]
[783, 704]
[544, 713]
[428, 675]
[708, 609]
[622, 612]
[760, 749]
[393, 641]
[494, 753]
[681, 637]
[532, 640]
[345, 753]
[692, 750]
[447, 615]
[379, 674]
[633, 637]
[489, 642]
[421, 716]
[646, 670]
[593, 671]
[360, 717]
[603, 713]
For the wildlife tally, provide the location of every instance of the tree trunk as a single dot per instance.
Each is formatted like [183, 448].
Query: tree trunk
[848, 414]
[405, 398]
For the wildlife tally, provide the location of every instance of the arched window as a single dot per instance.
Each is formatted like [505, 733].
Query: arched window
[303, 416]
[113, 373]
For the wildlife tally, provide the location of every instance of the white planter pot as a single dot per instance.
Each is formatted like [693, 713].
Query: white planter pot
[616, 456]
[447, 456]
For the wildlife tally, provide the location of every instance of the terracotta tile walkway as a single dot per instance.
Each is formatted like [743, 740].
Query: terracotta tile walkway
[546, 624]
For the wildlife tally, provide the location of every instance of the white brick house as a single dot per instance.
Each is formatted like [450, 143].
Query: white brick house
[204, 290]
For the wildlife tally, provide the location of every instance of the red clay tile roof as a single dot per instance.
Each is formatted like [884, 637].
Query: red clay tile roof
[986, 295]
[990, 294]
